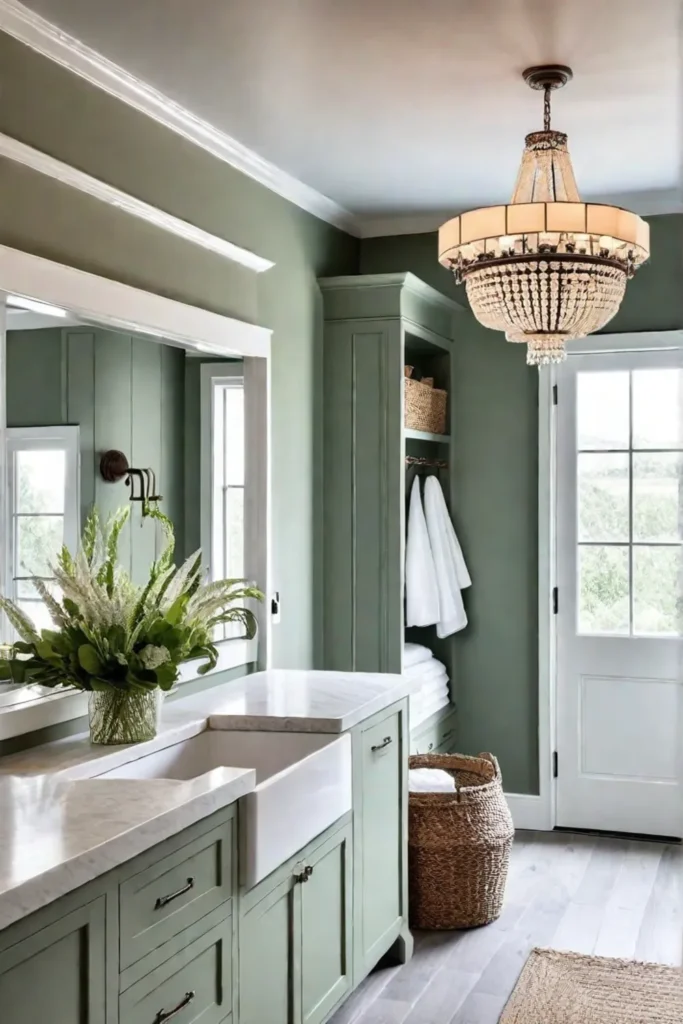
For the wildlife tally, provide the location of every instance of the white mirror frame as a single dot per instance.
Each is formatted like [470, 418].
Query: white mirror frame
[91, 299]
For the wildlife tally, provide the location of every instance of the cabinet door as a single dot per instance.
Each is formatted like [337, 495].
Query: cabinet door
[326, 928]
[379, 854]
[58, 973]
[267, 961]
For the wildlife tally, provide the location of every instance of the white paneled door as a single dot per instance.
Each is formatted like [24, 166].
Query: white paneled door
[619, 546]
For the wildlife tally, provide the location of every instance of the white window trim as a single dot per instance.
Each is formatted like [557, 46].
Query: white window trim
[58, 438]
[212, 377]
[255, 378]
[538, 811]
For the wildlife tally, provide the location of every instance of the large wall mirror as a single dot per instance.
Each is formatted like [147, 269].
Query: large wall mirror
[190, 414]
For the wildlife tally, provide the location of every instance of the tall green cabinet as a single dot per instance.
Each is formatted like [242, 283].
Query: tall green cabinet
[375, 325]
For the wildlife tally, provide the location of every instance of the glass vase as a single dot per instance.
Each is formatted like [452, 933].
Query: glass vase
[123, 716]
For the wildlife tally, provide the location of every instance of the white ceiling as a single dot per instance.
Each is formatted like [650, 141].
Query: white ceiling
[409, 107]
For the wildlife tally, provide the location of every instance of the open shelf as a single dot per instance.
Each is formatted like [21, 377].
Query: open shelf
[424, 435]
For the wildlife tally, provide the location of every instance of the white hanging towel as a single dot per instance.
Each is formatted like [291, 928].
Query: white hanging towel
[422, 594]
[451, 572]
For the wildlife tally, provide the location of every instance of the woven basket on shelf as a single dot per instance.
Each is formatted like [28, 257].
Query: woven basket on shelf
[425, 405]
[458, 845]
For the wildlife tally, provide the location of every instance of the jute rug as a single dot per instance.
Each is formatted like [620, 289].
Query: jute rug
[567, 988]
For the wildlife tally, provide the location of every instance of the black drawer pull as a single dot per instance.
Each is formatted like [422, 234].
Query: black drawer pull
[163, 1015]
[446, 735]
[304, 875]
[380, 746]
[165, 900]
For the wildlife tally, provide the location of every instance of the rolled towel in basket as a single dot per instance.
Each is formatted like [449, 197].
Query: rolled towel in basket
[430, 780]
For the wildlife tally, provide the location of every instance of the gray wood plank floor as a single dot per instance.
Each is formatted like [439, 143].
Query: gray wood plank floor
[611, 897]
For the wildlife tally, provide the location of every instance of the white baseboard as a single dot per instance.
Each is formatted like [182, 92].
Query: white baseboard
[529, 812]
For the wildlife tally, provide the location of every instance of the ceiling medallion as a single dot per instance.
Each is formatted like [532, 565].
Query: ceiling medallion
[547, 268]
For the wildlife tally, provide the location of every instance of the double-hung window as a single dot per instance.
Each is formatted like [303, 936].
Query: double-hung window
[43, 504]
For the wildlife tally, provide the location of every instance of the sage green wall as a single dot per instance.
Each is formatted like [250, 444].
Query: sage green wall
[495, 398]
[46, 106]
[123, 392]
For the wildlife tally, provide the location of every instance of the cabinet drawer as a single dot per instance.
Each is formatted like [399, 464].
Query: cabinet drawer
[446, 733]
[171, 894]
[194, 985]
[433, 736]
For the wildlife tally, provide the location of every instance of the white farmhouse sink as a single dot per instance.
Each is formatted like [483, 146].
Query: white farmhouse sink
[303, 784]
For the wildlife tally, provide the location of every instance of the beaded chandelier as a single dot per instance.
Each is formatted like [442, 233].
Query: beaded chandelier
[547, 268]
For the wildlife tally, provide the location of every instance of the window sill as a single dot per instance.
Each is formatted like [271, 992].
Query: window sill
[26, 709]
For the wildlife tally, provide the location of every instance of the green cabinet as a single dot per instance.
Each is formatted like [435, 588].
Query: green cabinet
[375, 325]
[171, 932]
[296, 935]
[326, 928]
[380, 795]
[57, 973]
[267, 961]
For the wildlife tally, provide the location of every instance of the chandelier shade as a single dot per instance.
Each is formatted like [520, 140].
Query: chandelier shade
[546, 268]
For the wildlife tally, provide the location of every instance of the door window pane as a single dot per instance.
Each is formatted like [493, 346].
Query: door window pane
[603, 497]
[603, 589]
[603, 410]
[657, 396]
[40, 481]
[656, 590]
[657, 483]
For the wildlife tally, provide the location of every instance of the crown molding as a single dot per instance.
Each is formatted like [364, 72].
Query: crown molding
[646, 204]
[44, 37]
[20, 153]
[41, 35]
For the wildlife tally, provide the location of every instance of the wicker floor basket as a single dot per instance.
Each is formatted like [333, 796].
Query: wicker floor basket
[458, 845]
[425, 405]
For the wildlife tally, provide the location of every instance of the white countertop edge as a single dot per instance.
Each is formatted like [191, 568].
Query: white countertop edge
[284, 723]
[32, 894]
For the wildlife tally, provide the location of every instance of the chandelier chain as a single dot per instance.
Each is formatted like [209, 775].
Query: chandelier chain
[546, 108]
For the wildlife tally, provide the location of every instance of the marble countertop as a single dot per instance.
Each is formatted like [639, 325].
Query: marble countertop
[60, 827]
[287, 700]
[56, 833]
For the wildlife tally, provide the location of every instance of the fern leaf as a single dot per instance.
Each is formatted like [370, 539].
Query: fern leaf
[90, 534]
[55, 609]
[165, 559]
[113, 533]
[21, 623]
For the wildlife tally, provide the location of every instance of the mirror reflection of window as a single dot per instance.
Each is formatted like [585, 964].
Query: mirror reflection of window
[227, 490]
[42, 488]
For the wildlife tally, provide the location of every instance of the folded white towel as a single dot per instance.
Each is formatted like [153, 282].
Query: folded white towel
[421, 669]
[451, 571]
[422, 594]
[425, 670]
[422, 700]
[431, 706]
[437, 690]
[414, 654]
[420, 710]
[430, 780]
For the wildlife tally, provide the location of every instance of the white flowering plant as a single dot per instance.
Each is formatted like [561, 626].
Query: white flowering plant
[111, 633]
